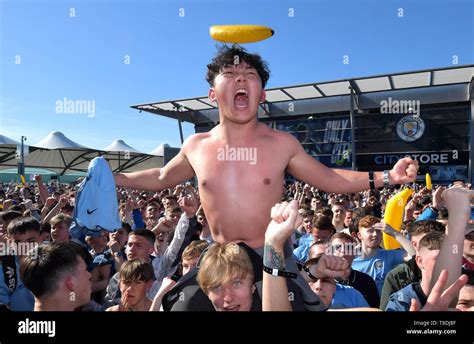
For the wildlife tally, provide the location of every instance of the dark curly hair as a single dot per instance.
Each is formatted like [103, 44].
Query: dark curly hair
[226, 56]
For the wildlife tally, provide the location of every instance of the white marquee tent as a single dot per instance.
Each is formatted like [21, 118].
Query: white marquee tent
[160, 150]
[59, 154]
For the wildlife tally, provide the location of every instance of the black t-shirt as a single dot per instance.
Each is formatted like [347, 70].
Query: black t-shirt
[365, 285]
[419, 292]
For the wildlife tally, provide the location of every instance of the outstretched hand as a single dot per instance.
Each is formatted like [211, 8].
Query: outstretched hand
[404, 171]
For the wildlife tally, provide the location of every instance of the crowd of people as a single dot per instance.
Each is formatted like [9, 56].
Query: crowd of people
[164, 252]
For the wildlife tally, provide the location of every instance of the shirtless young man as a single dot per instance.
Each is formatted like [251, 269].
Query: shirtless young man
[237, 196]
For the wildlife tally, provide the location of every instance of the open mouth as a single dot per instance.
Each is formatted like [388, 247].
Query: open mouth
[241, 99]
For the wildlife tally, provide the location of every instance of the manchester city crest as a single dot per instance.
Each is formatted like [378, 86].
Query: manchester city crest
[410, 128]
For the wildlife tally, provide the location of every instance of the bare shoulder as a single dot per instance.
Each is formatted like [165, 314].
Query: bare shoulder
[113, 309]
[282, 137]
[194, 140]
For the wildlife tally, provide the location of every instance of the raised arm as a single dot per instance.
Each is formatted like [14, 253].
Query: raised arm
[166, 286]
[62, 202]
[42, 190]
[274, 288]
[176, 171]
[305, 168]
[450, 255]
[190, 206]
[404, 242]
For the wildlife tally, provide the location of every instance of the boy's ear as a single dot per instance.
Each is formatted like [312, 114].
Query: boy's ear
[419, 261]
[69, 283]
[212, 95]
[263, 97]
[149, 284]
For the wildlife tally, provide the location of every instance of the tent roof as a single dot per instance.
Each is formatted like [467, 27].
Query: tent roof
[7, 141]
[59, 154]
[159, 151]
[120, 146]
[57, 140]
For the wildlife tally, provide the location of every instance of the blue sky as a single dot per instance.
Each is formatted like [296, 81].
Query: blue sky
[79, 54]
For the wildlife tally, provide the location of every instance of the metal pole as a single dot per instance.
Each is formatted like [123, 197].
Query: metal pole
[177, 108]
[180, 130]
[23, 138]
[352, 130]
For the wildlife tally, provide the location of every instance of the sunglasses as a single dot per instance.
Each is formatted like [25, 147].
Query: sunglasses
[325, 280]
[313, 278]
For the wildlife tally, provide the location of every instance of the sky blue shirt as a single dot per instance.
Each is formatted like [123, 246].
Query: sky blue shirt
[379, 265]
[401, 300]
[301, 253]
[347, 297]
[305, 239]
[96, 202]
[428, 214]
[21, 299]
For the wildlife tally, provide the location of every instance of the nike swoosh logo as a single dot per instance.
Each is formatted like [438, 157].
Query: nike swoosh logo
[91, 211]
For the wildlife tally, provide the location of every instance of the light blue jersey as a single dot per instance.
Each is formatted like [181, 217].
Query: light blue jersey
[20, 299]
[379, 265]
[347, 297]
[301, 253]
[305, 240]
[401, 300]
[96, 202]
